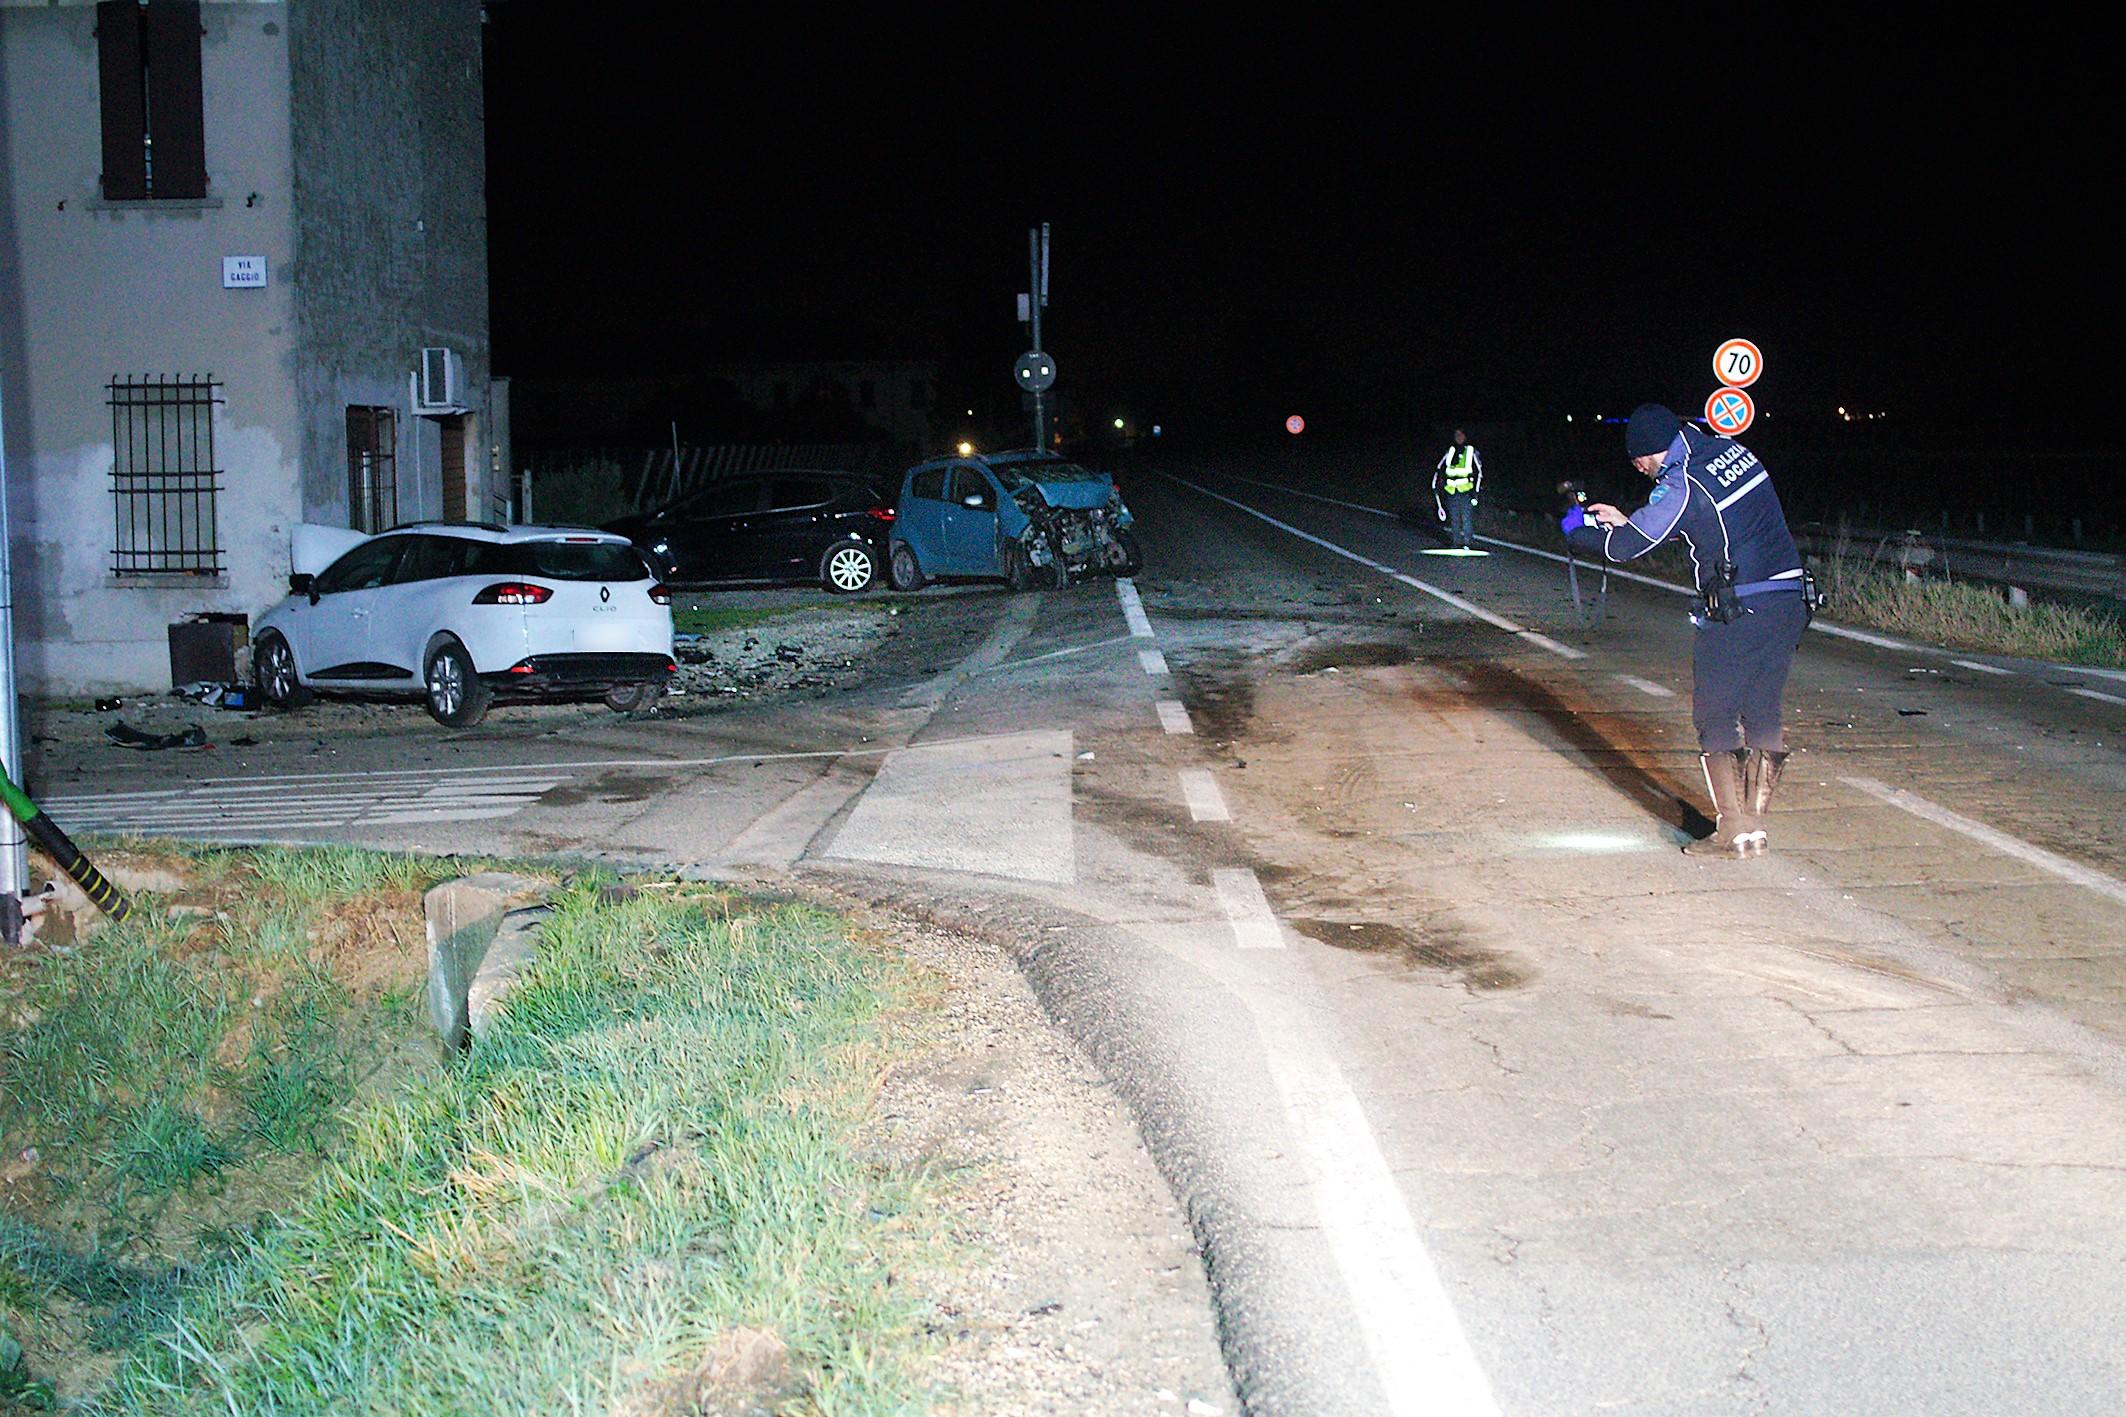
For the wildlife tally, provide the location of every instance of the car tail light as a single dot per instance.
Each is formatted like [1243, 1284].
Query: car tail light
[884, 514]
[514, 593]
[661, 593]
[523, 667]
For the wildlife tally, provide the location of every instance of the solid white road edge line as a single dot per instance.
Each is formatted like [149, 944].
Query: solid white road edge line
[1133, 608]
[1419, 1350]
[1052, 654]
[1153, 661]
[1247, 909]
[1839, 631]
[2000, 841]
[1466, 607]
[1174, 718]
[1205, 802]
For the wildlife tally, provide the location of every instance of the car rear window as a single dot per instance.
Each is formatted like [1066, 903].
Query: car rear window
[557, 560]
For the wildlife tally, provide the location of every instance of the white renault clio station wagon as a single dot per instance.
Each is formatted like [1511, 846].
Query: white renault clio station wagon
[462, 613]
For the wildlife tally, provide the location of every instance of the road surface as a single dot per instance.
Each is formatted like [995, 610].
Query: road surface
[1355, 868]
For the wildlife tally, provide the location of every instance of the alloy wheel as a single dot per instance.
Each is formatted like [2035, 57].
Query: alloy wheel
[446, 684]
[850, 568]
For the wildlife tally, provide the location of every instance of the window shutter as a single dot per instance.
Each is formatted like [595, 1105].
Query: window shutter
[125, 115]
[175, 100]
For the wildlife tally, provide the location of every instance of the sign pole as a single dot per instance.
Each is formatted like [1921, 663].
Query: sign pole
[14, 848]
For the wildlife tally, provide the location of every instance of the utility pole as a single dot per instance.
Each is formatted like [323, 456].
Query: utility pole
[14, 848]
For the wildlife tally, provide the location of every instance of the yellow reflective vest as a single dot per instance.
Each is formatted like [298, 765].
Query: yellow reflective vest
[1460, 465]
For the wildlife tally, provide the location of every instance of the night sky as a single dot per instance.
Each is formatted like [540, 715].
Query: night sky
[1381, 229]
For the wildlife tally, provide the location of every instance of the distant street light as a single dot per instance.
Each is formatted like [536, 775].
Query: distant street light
[1118, 425]
[966, 450]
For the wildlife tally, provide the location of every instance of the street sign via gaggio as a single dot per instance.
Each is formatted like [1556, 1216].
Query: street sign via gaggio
[1035, 372]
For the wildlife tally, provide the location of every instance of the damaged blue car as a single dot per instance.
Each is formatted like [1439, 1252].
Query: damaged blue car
[1033, 518]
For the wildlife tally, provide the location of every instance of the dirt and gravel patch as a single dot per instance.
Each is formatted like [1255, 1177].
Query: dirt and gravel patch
[1085, 1292]
[733, 648]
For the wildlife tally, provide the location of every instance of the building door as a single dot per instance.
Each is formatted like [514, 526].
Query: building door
[372, 469]
[453, 466]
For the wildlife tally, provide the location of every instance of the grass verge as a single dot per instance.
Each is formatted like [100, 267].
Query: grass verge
[640, 1193]
[1969, 615]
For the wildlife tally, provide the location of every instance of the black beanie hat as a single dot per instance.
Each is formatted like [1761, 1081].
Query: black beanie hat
[1651, 430]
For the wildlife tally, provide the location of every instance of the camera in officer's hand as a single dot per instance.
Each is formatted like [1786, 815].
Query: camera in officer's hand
[1571, 493]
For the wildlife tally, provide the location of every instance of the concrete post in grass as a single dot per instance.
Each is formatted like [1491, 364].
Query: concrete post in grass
[465, 918]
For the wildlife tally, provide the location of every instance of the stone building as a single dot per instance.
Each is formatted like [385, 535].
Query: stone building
[243, 284]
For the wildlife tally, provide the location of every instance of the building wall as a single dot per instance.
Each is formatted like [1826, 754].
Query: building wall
[90, 289]
[344, 143]
[391, 235]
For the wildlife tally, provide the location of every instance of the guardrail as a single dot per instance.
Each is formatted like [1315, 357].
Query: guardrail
[2013, 564]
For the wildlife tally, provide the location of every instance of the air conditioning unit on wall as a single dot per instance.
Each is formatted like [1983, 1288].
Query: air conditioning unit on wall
[440, 387]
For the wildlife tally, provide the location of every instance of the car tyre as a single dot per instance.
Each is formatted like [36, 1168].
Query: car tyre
[273, 671]
[906, 571]
[627, 698]
[1021, 574]
[848, 567]
[454, 692]
[1132, 553]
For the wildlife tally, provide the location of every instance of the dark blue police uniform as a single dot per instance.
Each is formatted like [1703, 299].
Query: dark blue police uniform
[1716, 497]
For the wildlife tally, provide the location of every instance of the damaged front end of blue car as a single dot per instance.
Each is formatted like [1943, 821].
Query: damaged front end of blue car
[1075, 517]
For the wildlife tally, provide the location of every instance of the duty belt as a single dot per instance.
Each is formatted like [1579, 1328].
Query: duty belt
[1764, 587]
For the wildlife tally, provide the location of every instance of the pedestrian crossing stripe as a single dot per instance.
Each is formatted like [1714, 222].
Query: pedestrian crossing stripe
[234, 806]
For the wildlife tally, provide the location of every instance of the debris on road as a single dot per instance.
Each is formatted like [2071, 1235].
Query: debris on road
[127, 736]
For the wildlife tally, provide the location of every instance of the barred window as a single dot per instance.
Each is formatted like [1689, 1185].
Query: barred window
[372, 469]
[164, 480]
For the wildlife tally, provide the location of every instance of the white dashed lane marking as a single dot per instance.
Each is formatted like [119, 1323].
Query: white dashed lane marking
[1647, 686]
[1174, 718]
[1467, 607]
[1153, 661]
[1999, 840]
[1205, 802]
[1981, 668]
[2097, 694]
[1248, 910]
[1133, 609]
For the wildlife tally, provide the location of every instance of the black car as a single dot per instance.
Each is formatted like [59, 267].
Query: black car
[771, 526]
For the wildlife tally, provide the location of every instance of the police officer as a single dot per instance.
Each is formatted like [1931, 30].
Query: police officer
[1714, 495]
[1456, 482]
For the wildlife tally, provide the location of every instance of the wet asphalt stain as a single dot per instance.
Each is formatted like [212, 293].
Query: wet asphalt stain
[1315, 658]
[1612, 746]
[1222, 705]
[1479, 968]
[614, 788]
[1151, 826]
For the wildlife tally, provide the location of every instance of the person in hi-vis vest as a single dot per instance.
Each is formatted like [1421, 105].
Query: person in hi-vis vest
[1456, 484]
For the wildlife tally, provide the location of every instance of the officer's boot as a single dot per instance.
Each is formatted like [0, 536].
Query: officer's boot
[1760, 775]
[1723, 778]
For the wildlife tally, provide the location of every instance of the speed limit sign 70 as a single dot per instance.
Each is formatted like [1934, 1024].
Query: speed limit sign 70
[1737, 364]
